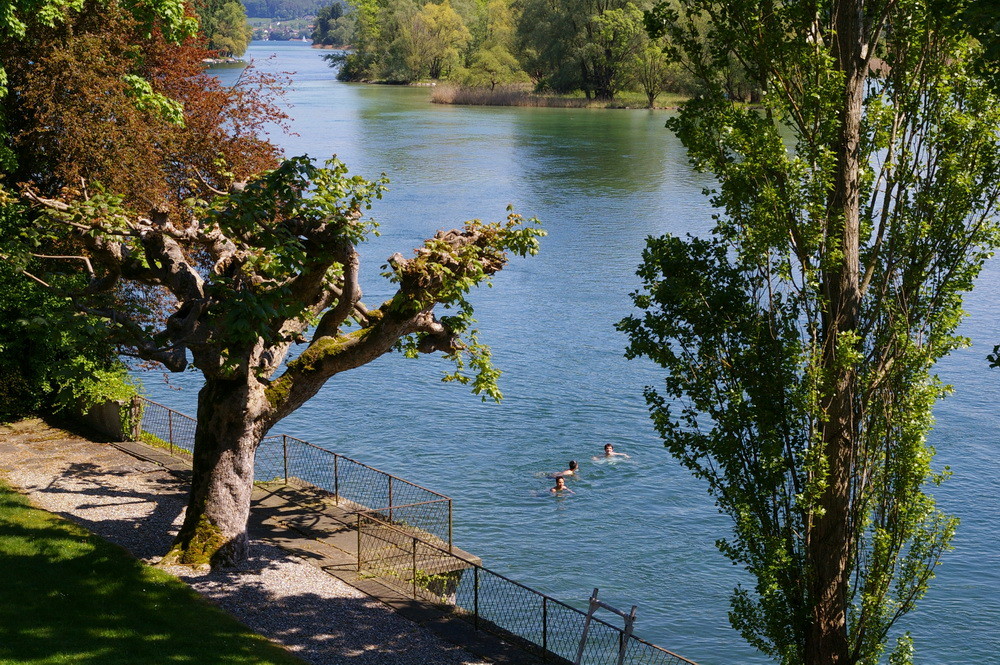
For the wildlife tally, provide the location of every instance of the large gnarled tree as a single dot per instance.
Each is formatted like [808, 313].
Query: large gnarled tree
[855, 208]
[259, 269]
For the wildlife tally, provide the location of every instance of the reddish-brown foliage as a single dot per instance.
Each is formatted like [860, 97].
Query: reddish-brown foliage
[71, 121]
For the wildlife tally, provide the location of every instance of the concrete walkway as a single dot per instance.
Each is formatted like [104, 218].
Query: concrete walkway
[281, 516]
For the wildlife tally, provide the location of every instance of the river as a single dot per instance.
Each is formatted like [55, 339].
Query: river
[643, 530]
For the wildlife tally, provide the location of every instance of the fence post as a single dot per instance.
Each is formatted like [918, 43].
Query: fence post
[449, 526]
[359, 542]
[170, 429]
[336, 480]
[135, 419]
[626, 636]
[390, 498]
[475, 597]
[414, 567]
[284, 448]
[545, 629]
[594, 604]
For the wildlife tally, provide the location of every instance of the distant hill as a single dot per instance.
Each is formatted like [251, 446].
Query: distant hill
[283, 10]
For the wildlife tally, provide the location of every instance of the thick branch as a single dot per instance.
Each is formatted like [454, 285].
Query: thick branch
[347, 299]
[439, 271]
[173, 358]
[327, 356]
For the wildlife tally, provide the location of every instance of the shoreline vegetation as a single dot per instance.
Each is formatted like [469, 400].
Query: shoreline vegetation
[445, 92]
[448, 93]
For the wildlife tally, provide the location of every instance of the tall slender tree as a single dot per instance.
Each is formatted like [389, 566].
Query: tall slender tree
[854, 209]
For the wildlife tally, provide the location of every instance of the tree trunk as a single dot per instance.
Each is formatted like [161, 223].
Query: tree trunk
[830, 537]
[230, 427]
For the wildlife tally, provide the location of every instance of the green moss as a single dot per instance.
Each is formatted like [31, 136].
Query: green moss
[151, 439]
[277, 392]
[323, 348]
[326, 347]
[200, 547]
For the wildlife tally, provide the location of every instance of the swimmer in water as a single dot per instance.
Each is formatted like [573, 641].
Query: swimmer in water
[561, 486]
[609, 451]
[571, 471]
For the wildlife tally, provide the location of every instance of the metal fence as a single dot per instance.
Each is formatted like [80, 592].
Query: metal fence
[295, 462]
[163, 427]
[541, 625]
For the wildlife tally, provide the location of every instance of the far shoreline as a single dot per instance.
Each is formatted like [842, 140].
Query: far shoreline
[516, 95]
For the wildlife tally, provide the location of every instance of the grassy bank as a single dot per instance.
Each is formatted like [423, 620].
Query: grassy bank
[70, 597]
[518, 96]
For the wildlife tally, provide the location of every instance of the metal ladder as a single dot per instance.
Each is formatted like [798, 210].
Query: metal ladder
[629, 622]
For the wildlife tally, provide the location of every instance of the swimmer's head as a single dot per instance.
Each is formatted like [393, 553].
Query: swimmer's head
[608, 448]
[560, 483]
[573, 465]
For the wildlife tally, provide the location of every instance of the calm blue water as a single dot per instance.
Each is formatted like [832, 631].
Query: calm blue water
[642, 530]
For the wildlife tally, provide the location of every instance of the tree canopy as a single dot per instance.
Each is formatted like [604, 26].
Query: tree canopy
[283, 10]
[333, 26]
[101, 96]
[224, 25]
[854, 209]
[597, 47]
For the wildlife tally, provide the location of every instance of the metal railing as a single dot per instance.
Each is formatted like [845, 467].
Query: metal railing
[539, 624]
[295, 462]
[163, 427]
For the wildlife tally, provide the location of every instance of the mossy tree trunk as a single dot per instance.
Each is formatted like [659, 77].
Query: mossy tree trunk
[231, 423]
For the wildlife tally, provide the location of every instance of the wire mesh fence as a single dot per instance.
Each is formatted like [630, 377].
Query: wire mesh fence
[163, 427]
[341, 480]
[541, 625]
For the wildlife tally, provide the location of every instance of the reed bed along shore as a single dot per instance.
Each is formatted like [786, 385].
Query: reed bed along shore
[520, 96]
[501, 96]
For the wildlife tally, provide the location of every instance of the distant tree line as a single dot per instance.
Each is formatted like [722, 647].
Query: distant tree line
[224, 26]
[333, 26]
[283, 10]
[600, 47]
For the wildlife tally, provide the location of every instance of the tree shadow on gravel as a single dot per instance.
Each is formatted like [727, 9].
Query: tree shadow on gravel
[109, 499]
[318, 627]
[322, 629]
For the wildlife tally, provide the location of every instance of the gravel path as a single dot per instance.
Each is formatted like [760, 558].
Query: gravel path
[139, 506]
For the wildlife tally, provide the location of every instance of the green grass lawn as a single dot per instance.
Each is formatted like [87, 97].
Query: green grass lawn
[67, 596]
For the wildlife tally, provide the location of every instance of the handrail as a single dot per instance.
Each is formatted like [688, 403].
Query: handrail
[478, 567]
[352, 480]
[367, 466]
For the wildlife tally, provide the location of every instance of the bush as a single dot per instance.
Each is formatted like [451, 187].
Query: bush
[51, 356]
